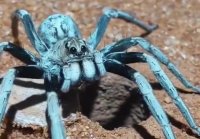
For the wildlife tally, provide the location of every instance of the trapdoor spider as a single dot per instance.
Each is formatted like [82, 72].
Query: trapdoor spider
[66, 60]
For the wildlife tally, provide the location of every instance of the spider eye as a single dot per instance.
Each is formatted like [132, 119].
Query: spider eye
[73, 50]
[83, 48]
[66, 46]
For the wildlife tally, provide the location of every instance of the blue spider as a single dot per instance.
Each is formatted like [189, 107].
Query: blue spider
[66, 60]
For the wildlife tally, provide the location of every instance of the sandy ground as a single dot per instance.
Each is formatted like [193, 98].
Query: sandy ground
[178, 37]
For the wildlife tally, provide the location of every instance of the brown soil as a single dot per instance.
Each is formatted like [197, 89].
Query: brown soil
[178, 37]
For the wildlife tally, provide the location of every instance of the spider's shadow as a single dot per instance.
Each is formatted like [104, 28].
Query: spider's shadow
[87, 107]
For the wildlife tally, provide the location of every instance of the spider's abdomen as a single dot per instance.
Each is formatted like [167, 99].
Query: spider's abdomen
[57, 27]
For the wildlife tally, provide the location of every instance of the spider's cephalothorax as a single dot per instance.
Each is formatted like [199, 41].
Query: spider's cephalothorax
[72, 62]
[64, 55]
[76, 48]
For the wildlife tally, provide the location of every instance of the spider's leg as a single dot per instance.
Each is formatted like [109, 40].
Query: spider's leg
[98, 59]
[53, 110]
[8, 80]
[146, 45]
[108, 14]
[18, 52]
[35, 40]
[5, 90]
[147, 92]
[67, 76]
[163, 79]
[30, 71]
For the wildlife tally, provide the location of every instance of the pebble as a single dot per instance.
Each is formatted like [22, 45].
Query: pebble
[167, 100]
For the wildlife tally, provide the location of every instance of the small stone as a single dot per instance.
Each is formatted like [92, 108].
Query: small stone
[167, 100]
[74, 7]
[74, 129]
[171, 41]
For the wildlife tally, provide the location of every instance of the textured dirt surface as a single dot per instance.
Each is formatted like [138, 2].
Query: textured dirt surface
[178, 37]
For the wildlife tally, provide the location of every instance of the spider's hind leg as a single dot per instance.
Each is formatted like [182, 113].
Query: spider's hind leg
[108, 14]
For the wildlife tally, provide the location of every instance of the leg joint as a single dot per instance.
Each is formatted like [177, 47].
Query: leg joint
[110, 12]
[152, 62]
[21, 12]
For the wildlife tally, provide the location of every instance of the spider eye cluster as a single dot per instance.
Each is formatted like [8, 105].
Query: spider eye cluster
[76, 49]
[73, 50]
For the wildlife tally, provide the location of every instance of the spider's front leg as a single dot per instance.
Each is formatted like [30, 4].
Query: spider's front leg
[53, 110]
[126, 43]
[108, 14]
[98, 59]
[157, 111]
[5, 91]
[8, 80]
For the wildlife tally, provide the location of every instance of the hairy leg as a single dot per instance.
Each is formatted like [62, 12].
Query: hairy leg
[5, 91]
[53, 109]
[108, 14]
[18, 52]
[35, 40]
[147, 92]
[126, 43]
[99, 63]
[8, 80]
[67, 79]
[134, 57]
